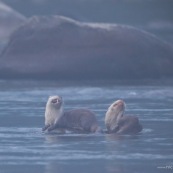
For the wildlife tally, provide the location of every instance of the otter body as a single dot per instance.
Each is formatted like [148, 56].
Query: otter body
[129, 125]
[77, 120]
[117, 122]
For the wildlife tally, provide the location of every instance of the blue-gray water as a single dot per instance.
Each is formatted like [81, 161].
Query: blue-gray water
[25, 149]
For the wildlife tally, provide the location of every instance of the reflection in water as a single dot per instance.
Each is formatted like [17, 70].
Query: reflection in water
[53, 138]
[115, 137]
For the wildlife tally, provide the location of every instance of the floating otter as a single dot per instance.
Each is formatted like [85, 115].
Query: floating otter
[117, 122]
[77, 120]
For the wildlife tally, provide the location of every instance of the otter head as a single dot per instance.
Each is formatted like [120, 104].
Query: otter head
[55, 102]
[54, 110]
[113, 114]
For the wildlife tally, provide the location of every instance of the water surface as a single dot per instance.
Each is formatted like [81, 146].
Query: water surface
[24, 148]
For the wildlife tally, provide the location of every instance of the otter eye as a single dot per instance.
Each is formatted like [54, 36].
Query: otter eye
[54, 100]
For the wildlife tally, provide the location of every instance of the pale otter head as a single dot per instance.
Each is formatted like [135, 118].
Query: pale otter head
[54, 110]
[113, 114]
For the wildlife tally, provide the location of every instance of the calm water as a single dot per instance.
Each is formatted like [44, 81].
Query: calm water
[24, 148]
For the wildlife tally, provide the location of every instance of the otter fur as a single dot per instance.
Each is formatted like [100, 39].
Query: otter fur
[76, 120]
[53, 112]
[117, 122]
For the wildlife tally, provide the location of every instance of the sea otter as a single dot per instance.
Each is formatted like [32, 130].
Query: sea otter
[117, 122]
[77, 120]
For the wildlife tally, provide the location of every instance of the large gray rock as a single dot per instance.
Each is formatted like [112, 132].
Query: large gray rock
[60, 48]
[9, 21]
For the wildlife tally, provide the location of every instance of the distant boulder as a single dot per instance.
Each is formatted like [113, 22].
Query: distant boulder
[57, 47]
[9, 21]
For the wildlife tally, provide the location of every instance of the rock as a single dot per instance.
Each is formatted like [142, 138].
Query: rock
[57, 47]
[9, 21]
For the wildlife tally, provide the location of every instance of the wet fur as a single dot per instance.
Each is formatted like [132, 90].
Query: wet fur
[77, 120]
[53, 112]
[117, 122]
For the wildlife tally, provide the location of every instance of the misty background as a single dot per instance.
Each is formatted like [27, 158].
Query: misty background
[155, 16]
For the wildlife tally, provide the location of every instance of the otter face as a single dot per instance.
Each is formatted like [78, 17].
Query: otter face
[55, 101]
[118, 106]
